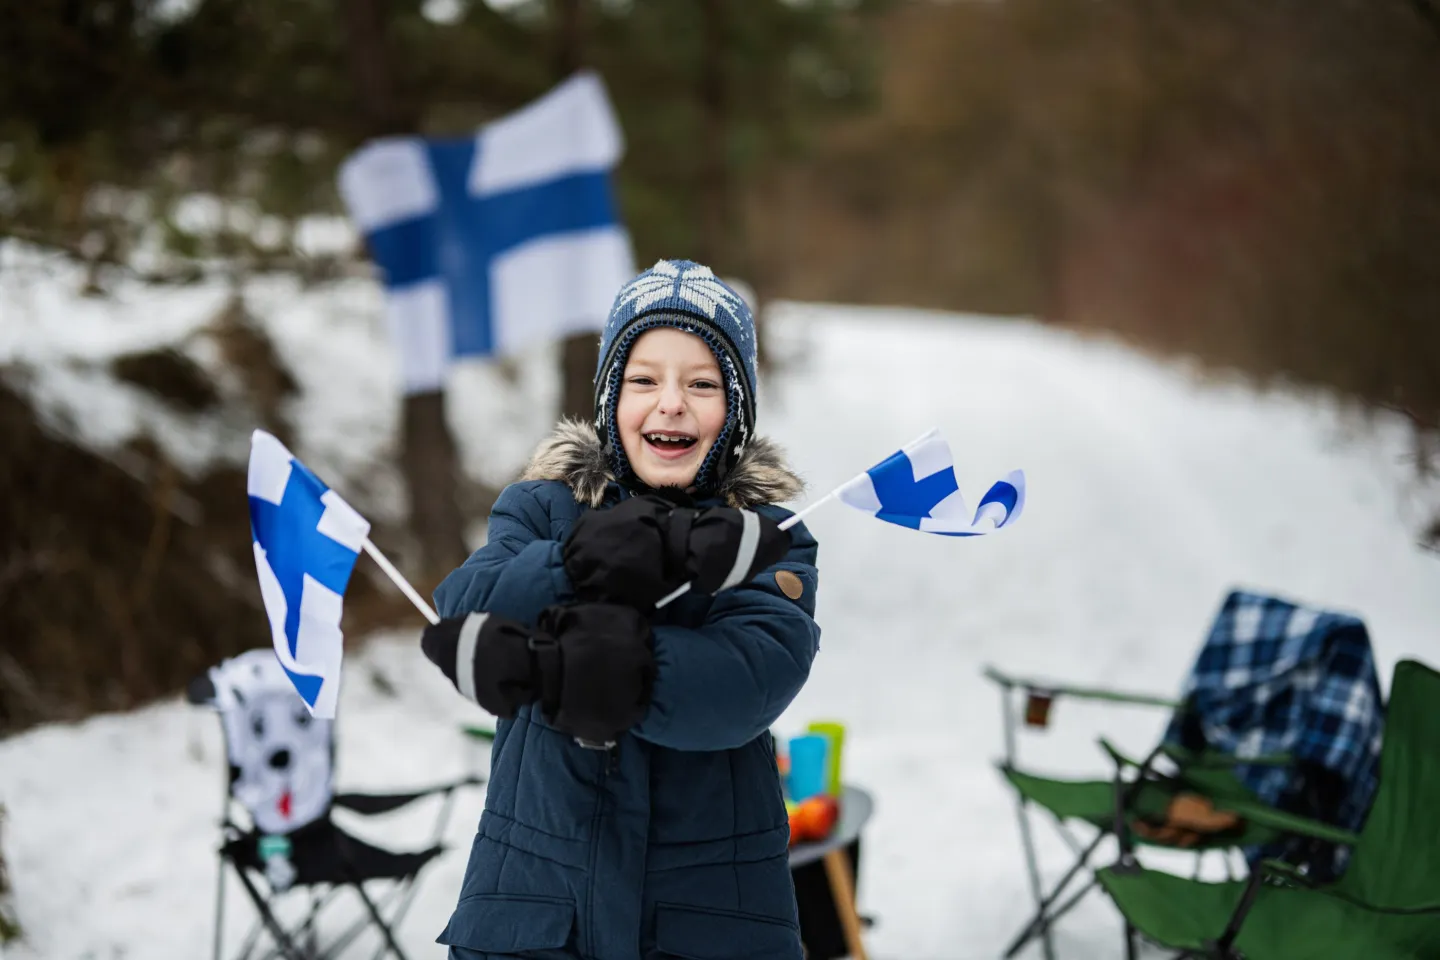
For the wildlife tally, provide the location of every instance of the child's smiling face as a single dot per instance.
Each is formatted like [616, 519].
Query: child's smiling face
[671, 407]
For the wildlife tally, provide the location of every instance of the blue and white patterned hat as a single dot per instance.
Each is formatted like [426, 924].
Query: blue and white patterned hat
[689, 297]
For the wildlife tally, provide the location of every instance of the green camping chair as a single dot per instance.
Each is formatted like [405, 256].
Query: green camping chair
[1143, 799]
[1385, 906]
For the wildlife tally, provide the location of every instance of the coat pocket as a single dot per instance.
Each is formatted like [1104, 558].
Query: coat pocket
[509, 924]
[695, 934]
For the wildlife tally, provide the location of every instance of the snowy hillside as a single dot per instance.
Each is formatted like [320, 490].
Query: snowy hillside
[332, 338]
[1150, 494]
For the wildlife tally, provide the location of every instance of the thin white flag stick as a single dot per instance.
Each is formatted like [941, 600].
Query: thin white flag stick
[793, 519]
[400, 581]
[675, 594]
[785, 524]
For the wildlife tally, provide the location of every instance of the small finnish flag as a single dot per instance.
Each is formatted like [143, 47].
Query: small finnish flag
[916, 488]
[493, 242]
[306, 541]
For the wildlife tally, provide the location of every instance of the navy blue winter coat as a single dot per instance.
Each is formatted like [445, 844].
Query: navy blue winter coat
[674, 842]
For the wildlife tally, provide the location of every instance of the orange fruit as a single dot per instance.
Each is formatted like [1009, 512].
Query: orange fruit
[815, 817]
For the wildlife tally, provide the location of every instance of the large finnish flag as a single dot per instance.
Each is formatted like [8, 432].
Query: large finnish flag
[306, 541]
[916, 488]
[494, 242]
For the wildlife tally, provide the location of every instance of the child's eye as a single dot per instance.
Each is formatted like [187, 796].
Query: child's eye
[706, 385]
[640, 380]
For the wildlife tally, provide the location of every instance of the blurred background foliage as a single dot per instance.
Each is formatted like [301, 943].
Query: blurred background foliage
[1258, 184]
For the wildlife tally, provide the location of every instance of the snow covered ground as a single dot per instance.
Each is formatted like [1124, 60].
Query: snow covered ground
[1150, 494]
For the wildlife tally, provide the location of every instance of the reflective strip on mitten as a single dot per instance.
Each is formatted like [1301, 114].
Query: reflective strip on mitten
[489, 659]
[729, 546]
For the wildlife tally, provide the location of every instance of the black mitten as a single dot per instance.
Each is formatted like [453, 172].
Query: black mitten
[618, 555]
[492, 661]
[603, 656]
[723, 547]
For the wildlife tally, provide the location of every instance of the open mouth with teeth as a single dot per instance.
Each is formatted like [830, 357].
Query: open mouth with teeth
[669, 444]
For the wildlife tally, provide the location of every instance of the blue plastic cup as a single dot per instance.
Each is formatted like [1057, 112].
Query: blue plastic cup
[807, 766]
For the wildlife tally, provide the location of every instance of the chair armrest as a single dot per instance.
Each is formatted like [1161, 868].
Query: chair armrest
[1078, 692]
[1266, 816]
[1252, 810]
[1214, 759]
[369, 804]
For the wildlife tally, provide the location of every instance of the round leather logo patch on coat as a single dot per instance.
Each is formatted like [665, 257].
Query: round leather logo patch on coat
[789, 584]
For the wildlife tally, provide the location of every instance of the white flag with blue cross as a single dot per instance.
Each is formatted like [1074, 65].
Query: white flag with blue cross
[916, 487]
[493, 242]
[306, 540]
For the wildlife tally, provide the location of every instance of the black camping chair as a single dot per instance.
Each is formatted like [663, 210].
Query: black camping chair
[278, 835]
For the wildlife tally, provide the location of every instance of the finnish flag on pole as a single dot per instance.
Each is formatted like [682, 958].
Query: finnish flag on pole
[306, 541]
[916, 488]
[493, 242]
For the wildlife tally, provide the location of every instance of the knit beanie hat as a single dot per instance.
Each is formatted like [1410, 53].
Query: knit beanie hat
[689, 297]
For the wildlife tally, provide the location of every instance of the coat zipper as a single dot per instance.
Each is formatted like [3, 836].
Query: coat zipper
[611, 761]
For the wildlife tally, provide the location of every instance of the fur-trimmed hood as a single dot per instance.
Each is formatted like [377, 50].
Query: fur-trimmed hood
[573, 454]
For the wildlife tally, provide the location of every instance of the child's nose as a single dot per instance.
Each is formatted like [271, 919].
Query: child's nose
[672, 399]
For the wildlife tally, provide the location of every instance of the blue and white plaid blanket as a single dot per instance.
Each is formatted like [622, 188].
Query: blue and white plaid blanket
[1276, 677]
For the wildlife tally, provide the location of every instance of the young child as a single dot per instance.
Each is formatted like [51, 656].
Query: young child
[634, 806]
